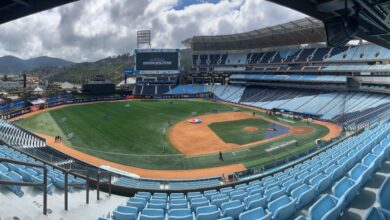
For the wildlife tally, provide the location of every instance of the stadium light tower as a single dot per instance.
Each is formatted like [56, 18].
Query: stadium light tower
[144, 38]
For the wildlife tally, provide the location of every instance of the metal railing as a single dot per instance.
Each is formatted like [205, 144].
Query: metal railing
[43, 185]
[67, 184]
[98, 183]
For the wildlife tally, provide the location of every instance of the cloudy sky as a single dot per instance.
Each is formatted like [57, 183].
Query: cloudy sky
[89, 30]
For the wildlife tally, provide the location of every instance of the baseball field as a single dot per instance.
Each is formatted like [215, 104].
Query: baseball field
[156, 134]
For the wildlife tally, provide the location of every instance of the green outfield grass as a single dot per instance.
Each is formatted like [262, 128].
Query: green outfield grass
[136, 135]
[233, 131]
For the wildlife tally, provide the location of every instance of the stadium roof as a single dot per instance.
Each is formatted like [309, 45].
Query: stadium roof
[373, 16]
[303, 31]
[14, 9]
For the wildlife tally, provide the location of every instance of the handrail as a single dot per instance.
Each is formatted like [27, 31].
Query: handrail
[86, 184]
[98, 183]
[44, 184]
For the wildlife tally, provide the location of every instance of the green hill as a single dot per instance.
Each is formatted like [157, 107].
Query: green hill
[111, 68]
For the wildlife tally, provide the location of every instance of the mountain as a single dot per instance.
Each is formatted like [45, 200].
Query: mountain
[111, 68]
[15, 65]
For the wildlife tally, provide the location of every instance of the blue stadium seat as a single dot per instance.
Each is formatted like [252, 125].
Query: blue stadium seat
[219, 199]
[380, 152]
[139, 203]
[160, 196]
[359, 174]
[176, 196]
[326, 208]
[254, 201]
[345, 190]
[238, 195]
[232, 209]
[207, 212]
[209, 193]
[3, 169]
[255, 190]
[282, 208]
[178, 204]
[320, 182]
[377, 214]
[125, 213]
[14, 177]
[157, 204]
[199, 202]
[226, 190]
[145, 195]
[191, 195]
[335, 171]
[303, 194]
[255, 214]
[291, 185]
[152, 214]
[383, 196]
[274, 193]
[371, 160]
[180, 214]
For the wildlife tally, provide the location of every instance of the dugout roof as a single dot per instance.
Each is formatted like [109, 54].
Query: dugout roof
[14, 9]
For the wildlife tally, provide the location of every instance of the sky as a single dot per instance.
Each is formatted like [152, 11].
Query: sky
[89, 30]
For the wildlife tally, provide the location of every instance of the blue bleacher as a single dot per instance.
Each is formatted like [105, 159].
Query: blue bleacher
[20, 173]
[285, 193]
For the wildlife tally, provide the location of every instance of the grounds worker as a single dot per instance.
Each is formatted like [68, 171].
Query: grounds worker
[220, 155]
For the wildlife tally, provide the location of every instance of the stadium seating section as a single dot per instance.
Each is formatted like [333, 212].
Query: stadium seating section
[22, 173]
[351, 109]
[154, 86]
[17, 137]
[343, 168]
[368, 52]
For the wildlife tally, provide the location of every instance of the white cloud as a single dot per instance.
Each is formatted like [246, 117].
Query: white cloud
[93, 29]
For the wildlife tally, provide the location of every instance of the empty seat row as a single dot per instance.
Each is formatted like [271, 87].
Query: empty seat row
[280, 196]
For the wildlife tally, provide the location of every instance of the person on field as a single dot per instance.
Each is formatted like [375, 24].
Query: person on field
[220, 156]
[254, 113]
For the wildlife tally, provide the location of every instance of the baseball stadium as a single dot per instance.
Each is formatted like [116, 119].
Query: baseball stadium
[290, 121]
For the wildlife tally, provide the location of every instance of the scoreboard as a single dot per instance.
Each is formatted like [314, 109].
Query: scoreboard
[157, 61]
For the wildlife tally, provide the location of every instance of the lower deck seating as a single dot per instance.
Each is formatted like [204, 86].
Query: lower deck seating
[174, 185]
[188, 89]
[17, 137]
[352, 109]
[14, 172]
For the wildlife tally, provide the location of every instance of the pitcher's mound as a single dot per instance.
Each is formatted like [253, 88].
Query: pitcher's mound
[302, 130]
[251, 129]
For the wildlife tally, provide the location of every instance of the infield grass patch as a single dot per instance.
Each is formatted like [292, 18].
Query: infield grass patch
[234, 131]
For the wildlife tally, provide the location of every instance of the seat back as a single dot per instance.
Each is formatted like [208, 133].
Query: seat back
[383, 196]
[322, 207]
[357, 171]
[342, 187]
[153, 212]
[257, 213]
[282, 208]
[230, 204]
[377, 214]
